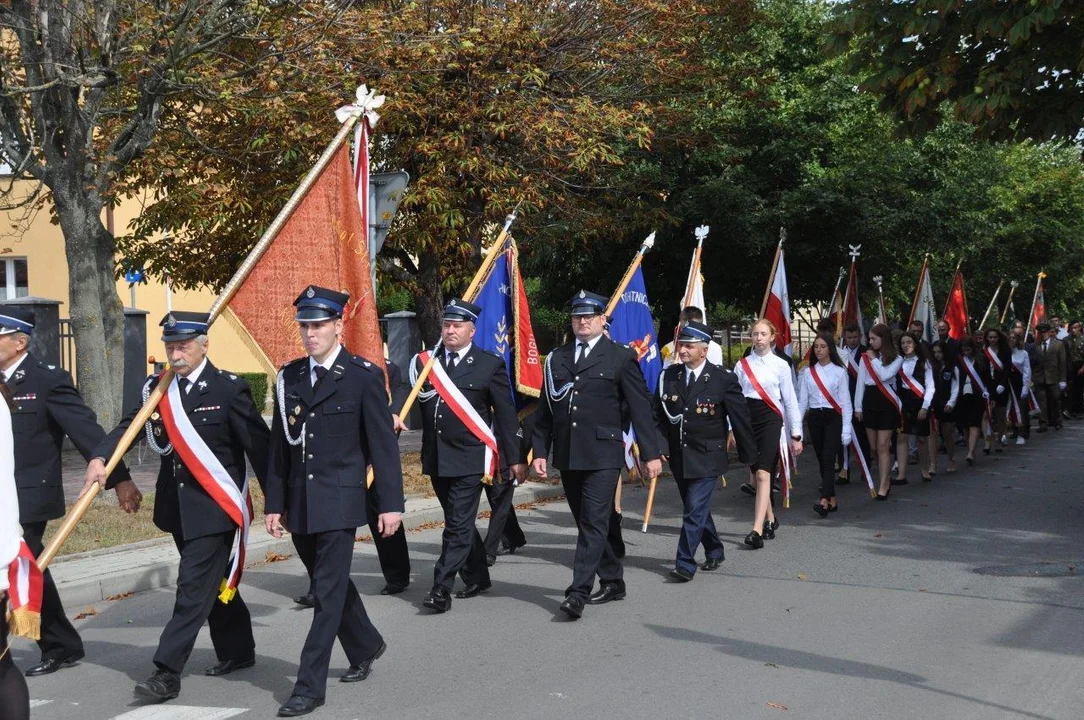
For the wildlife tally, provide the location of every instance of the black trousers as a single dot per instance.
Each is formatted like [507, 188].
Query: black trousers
[590, 495]
[339, 611]
[1076, 388]
[199, 578]
[826, 434]
[503, 523]
[14, 695]
[391, 551]
[462, 550]
[58, 636]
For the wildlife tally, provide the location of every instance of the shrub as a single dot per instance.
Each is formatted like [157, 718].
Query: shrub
[258, 383]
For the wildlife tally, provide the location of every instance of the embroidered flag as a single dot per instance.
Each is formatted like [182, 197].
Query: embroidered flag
[923, 308]
[24, 592]
[633, 325]
[852, 309]
[956, 309]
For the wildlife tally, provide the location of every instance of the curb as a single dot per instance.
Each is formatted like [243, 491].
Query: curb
[91, 577]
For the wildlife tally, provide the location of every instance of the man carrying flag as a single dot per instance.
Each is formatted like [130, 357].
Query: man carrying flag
[204, 428]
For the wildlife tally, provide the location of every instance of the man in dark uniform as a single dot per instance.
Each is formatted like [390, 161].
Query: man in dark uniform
[580, 420]
[203, 429]
[331, 422]
[46, 408]
[503, 534]
[695, 402]
[391, 551]
[469, 425]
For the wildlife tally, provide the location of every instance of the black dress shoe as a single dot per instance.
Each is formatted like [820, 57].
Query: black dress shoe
[438, 599]
[898, 481]
[843, 480]
[820, 510]
[754, 540]
[748, 489]
[505, 549]
[227, 666]
[711, 564]
[307, 600]
[299, 705]
[573, 607]
[48, 666]
[607, 593]
[159, 687]
[681, 575]
[769, 529]
[357, 673]
[473, 590]
[392, 589]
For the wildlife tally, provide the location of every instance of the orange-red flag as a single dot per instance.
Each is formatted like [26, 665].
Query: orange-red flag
[956, 309]
[325, 243]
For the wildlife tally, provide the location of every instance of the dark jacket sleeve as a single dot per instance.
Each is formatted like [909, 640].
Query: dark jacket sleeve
[68, 410]
[737, 412]
[250, 430]
[662, 423]
[506, 420]
[379, 438]
[542, 437]
[400, 389]
[278, 463]
[634, 391]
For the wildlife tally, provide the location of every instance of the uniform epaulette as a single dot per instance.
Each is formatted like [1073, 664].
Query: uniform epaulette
[50, 368]
[358, 360]
[295, 361]
[491, 354]
[228, 375]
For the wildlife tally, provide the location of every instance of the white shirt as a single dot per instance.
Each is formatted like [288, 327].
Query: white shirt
[837, 383]
[928, 386]
[776, 377]
[1022, 362]
[693, 373]
[15, 366]
[459, 354]
[193, 376]
[327, 363]
[886, 374]
[715, 354]
[10, 531]
[590, 346]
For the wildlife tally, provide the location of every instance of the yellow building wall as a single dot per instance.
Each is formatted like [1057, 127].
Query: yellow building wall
[42, 244]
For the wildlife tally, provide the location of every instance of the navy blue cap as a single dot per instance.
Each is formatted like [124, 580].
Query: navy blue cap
[459, 310]
[317, 304]
[180, 325]
[587, 303]
[16, 319]
[694, 331]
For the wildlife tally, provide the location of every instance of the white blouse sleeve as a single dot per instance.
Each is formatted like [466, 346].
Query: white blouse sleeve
[10, 531]
[843, 392]
[791, 413]
[954, 391]
[860, 387]
[887, 372]
[804, 379]
[930, 387]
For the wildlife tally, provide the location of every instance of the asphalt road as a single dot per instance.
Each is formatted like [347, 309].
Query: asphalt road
[956, 599]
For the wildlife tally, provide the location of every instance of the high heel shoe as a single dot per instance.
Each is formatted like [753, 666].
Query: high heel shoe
[884, 497]
[754, 540]
[769, 529]
[970, 461]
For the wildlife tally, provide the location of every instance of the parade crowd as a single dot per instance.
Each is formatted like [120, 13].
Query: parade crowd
[870, 406]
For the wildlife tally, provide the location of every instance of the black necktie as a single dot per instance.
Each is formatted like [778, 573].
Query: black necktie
[690, 378]
[183, 384]
[449, 359]
[321, 373]
[582, 353]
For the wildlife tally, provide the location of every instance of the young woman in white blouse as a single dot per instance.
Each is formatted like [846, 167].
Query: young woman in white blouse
[14, 697]
[915, 386]
[1020, 380]
[946, 390]
[876, 404]
[971, 407]
[824, 399]
[767, 382]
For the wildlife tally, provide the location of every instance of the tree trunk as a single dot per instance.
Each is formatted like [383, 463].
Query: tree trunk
[430, 305]
[96, 312]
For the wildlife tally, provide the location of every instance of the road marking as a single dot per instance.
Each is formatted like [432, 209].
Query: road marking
[38, 703]
[180, 712]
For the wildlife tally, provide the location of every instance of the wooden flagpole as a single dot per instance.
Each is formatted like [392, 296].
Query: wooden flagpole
[990, 307]
[136, 427]
[1034, 300]
[1004, 313]
[771, 275]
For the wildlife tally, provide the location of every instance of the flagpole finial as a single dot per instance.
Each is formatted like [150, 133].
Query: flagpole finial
[856, 250]
[702, 232]
[782, 234]
[1014, 283]
[649, 241]
[366, 103]
[842, 272]
[1041, 274]
[878, 279]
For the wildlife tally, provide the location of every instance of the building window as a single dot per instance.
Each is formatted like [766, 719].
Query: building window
[15, 278]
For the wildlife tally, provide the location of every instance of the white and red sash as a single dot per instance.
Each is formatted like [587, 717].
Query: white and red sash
[976, 382]
[25, 592]
[888, 392]
[852, 363]
[784, 446]
[911, 382]
[212, 476]
[839, 409]
[453, 397]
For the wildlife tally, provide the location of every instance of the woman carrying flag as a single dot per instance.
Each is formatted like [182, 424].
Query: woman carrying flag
[767, 382]
[915, 386]
[1020, 382]
[824, 398]
[876, 403]
[14, 696]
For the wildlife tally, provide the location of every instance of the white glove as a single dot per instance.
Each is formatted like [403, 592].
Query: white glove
[1000, 389]
[846, 439]
[1061, 386]
[1024, 391]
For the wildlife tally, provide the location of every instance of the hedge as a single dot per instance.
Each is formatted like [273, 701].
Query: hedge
[258, 383]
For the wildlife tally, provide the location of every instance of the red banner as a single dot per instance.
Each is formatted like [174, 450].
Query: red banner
[528, 362]
[325, 242]
[956, 309]
[1038, 313]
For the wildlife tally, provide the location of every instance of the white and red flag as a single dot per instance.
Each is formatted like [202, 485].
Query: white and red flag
[776, 306]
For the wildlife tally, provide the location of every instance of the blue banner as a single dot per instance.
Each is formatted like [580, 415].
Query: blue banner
[494, 329]
[633, 326]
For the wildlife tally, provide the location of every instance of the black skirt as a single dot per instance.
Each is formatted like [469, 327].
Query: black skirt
[878, 412]
[911, 424]
[969, 410]
[767, 429]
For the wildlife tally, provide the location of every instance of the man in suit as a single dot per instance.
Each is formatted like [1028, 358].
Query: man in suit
[580, 421]
[47, 407]
[695, 404]
[331, 422]
[1049, 363]
[469, 426]
[203, 429]
[391, 552]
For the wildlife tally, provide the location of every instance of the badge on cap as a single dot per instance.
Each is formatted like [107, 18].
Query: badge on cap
[583, 294]
[310, 293]
[454, 302]
[171, 321]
